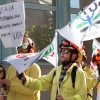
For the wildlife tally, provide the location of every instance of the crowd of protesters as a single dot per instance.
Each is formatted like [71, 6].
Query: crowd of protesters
[76, 79]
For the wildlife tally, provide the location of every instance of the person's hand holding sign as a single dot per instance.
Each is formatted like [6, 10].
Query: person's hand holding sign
[21, 76]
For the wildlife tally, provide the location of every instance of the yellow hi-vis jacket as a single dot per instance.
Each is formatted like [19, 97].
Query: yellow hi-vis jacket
[98, 91]
[91, 81]
[19, 92]
[66, 90]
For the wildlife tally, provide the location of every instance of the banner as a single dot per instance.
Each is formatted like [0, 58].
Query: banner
[22, 61]
[51, 54]
[85, 26]
[12, 23]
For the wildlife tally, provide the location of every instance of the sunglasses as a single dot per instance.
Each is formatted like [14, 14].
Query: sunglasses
[64, 51]
[20, 47]
[1, 71]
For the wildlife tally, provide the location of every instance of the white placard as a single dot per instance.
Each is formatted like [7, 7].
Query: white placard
[12, 23]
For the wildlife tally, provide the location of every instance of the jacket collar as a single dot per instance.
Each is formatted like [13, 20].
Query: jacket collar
[70, 68]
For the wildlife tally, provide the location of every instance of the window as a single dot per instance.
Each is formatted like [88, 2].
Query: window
[44, 2]
[75, 3]
[73, 16]
[39, 27]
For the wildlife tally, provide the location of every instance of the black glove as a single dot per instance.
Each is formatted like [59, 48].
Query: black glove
[20, 76]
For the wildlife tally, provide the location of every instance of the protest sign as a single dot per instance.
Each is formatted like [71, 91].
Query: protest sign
[85, 26]
[50, 54]
[22, 61]
[12, 23]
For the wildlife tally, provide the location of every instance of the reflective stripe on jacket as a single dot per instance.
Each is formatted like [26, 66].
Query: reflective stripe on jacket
[66, 89]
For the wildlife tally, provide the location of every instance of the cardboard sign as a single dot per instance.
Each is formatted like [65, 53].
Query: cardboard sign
[12, 23]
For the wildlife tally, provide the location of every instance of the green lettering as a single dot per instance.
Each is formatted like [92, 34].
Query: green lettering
[49, 50]
[94, 47]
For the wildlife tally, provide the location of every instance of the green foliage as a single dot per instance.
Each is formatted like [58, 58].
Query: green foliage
[41, 35]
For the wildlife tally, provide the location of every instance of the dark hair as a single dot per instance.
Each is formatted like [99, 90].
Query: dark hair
[93, 59]
[4, 76]
[75, 52]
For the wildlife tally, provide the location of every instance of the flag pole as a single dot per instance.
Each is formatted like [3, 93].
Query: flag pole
[56, 53]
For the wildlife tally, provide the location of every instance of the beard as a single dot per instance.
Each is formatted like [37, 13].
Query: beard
[65, 63]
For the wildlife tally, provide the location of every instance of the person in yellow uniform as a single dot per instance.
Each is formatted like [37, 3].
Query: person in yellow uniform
[96, 62]
[69, 53]
[90, 76]
[17, 91]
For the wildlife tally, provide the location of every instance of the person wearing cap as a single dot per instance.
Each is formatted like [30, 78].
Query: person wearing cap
[16, 89]
[69, 54]
[96, 62]
[90, 75]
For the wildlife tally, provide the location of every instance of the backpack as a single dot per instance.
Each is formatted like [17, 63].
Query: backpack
[73, 75]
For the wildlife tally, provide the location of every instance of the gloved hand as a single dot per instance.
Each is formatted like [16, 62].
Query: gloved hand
[21, 76]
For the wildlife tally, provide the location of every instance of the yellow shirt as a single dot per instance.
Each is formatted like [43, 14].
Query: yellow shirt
[19, 92]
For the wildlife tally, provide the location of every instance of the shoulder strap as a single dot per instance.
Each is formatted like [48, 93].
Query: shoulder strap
[54, 73]
[89, 95]
[73, 75]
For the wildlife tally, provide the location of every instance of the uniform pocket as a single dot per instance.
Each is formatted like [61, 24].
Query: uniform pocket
[68, 90]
